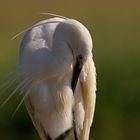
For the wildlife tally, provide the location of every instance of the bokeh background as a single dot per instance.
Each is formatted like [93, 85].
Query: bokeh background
[115, 28]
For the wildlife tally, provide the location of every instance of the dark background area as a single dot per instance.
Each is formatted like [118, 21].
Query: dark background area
[115, 28]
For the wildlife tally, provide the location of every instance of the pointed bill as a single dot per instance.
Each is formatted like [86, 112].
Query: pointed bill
[76, 71]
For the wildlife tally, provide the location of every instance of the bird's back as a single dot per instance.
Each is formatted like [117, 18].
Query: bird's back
[36, 47]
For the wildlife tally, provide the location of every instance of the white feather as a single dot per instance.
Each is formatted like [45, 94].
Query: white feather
[48, 52]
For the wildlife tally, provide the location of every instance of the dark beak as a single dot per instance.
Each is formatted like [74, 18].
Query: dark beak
[76, 71]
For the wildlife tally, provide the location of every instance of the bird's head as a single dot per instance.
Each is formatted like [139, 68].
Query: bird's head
[78, 39]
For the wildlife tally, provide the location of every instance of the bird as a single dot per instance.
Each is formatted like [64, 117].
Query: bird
[58, 78]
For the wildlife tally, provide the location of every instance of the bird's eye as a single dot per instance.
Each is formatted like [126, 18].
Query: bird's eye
[80, 57]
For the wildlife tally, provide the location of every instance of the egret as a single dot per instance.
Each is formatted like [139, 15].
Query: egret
[58, 78]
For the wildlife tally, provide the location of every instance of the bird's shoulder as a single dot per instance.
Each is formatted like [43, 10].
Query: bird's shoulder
[41, 34]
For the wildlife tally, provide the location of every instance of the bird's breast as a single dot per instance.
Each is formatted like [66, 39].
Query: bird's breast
[53, 102]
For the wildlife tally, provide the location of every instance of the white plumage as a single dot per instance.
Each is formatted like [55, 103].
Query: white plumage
[48, 55]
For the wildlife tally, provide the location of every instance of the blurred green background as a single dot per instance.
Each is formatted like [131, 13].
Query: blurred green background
[115, 28]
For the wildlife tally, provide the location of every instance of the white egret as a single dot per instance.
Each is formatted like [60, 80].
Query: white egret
[58, 76]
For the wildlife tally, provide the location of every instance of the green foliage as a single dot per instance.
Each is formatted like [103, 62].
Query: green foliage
[114, 26]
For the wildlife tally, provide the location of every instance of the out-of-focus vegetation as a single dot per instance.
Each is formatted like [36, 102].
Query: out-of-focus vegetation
[115, 27]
